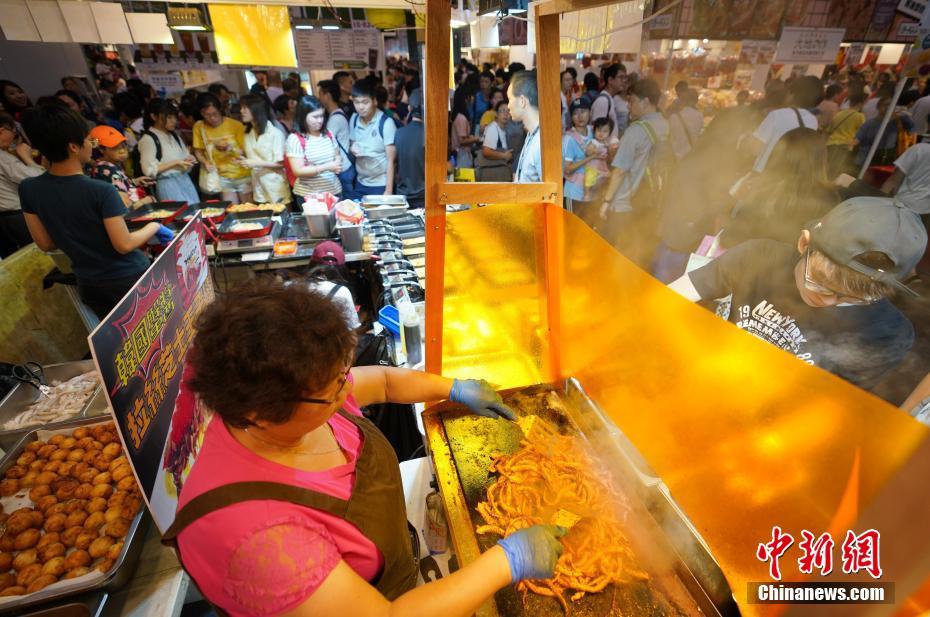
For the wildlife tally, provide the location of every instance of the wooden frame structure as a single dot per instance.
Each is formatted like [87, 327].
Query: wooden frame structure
[439, 191]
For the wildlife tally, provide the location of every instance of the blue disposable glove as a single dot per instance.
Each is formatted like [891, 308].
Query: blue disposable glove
[164, 234]
[478, 396]
[533, 552]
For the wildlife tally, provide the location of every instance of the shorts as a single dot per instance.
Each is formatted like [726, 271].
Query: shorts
[239, 185]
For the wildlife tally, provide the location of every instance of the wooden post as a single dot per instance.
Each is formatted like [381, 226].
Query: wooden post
[550, 135]
[438, 14]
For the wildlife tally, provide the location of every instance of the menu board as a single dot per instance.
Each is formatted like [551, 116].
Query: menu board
[139, 350]
[809, 45]
[338, 49]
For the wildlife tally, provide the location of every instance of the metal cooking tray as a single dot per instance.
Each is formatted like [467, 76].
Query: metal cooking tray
[192, 209]
[258, 216]
[140, 216]
[462, 446]
[123, 567]
[23, 395]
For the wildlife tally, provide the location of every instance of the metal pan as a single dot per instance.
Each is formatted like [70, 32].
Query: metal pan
[144, 215]
[264, 217]
[23, 395]
[192, 209]
[123, 566]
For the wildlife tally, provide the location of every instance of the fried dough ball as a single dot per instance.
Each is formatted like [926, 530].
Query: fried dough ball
[51, 551]
[21, 520]
[102, 490]
[76, 572]
[118, 461]
[48, 538]
[24, 559]
[44, 503]
[29, 574]
[46, 451]
[107, 438]
[102, 462]
[95, 521]
[100, 547]
[41, 583]
[37, 493]
[59, 455]
[130, 508]
[83, 491]
[77, 559]
[90, 456]
[58, 508]
[46, 477]
[102, 478]
[79, 468]
[8, 487]
[54, 566]
[26, 539]
[85, 443]
[37, 466]
[80, 433]
[6, 561]
[126, 483]
[85, 539]
[76, 519]
[72, 505]
[65, 468]
[117, 528]
[52, 466]
[56, 440]
[105, 566]
[65, 489]
[6, 542]
[112, 513]
[68, 443]
[87, 476]
[117, 498]
[75, 455]
[114, 551]
[29, 480]
[7, 579]
[56, 522]
[112, 449]
[26, 457]
[16, 590]
[35, 446]
[123, 471]
[96, 504]
[69, 535]
[3, 517]
[17, 471]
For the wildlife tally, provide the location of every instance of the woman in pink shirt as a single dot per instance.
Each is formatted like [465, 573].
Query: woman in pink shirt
[294, 504]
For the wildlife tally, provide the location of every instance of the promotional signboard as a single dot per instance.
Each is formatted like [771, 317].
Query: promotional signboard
[139, 350]
[809, 45]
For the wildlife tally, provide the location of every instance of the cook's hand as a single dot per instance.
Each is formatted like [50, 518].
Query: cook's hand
[533, 552]
[164, 234]
[477, 395]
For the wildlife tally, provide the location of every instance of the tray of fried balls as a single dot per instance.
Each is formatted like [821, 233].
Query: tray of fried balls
[71, 507]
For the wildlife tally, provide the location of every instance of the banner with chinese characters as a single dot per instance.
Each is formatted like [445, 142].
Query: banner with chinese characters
[139, 349]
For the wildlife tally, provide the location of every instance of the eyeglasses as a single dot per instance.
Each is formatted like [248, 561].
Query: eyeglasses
[816, 287]
[93, 141]
[323, 401]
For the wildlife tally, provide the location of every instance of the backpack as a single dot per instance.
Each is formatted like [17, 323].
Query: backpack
[288, 170]
[659, 168]
[136, 156]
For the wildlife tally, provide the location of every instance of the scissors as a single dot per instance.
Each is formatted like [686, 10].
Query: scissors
[32, 373]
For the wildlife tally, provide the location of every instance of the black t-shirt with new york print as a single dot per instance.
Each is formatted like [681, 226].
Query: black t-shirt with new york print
[858, 343]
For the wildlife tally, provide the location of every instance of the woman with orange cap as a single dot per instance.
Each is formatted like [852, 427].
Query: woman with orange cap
[109, 167]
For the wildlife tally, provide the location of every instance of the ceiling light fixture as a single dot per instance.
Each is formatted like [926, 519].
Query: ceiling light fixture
[188, 19]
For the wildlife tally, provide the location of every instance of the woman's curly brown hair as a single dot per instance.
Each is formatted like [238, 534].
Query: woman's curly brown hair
[265, 344]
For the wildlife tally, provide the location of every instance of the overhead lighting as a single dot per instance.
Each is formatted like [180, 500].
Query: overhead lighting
[327, 24]
[330, 27]
[188, 19]
[302, 25]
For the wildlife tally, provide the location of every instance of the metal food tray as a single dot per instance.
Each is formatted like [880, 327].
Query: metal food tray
[684, 577]
[124, 565]
[23, 395]
[141, 216]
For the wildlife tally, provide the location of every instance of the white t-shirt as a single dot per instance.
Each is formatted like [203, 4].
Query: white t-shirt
[12, 172]
[269, 184]
[529, 165]
[342, 297]
[317, 150]
[914, 191]
[919, 112]
[495, 137]
[774, 127]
